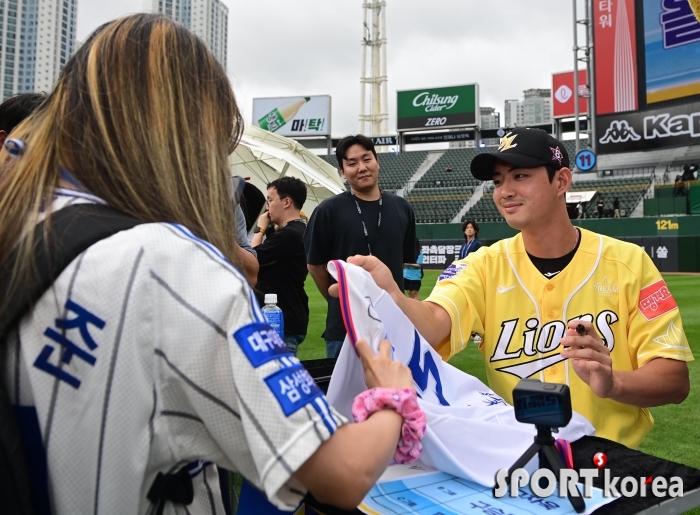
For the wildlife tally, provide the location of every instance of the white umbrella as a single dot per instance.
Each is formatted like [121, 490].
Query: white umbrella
[264, 156]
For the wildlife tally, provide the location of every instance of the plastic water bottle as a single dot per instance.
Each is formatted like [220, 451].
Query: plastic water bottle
[273, 314]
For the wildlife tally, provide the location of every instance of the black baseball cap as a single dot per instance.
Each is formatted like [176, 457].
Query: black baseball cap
[525, 148]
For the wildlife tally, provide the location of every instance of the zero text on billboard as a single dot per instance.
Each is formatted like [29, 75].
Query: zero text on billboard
[437, 107]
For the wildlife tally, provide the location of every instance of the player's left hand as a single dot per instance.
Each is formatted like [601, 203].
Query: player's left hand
[590, 358]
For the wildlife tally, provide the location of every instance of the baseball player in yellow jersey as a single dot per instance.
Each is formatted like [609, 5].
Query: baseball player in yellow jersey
[528, 294]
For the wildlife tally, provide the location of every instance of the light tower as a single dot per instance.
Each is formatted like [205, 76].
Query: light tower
[374, 117]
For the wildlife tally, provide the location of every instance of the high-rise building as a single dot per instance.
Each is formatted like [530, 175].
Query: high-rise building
[534, 109]
[488, 119]
[206, 18]
[37, 38]
[511, 112]
[537, 107]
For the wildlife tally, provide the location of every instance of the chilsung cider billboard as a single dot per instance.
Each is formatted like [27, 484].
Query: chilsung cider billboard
[437, 108]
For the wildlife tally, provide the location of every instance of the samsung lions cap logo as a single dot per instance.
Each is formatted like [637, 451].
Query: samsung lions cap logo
[507, 142]
[556, 154]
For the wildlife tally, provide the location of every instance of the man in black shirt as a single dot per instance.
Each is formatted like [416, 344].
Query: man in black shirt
[600, 206]
[364, 220]
[282, 258]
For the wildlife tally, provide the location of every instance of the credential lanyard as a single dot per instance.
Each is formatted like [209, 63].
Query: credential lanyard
[469, 245]
[362, 219]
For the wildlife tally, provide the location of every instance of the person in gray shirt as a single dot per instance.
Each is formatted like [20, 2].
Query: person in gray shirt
[246, 253]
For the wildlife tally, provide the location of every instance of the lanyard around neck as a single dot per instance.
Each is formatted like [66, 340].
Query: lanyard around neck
[364, 226]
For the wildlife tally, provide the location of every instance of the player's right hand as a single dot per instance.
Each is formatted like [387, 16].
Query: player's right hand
[590, 358]
[379, 272]
[380, 370]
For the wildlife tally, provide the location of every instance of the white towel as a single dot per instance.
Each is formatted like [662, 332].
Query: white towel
[472, 432]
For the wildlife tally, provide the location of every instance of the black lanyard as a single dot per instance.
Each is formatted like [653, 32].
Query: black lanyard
[364, 226]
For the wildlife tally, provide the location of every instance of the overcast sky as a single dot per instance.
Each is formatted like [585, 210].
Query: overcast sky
[312, 47]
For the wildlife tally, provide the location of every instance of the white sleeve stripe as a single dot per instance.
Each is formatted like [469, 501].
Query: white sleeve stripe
[457, 315]
[187, 305]
[266, 439]
[255, 311]
[196, 387]
[57, 382]
[322, 409]
[307, 409]
[110, 374]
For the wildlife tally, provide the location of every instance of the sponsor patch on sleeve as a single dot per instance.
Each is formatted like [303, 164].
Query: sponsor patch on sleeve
[293, 387]
[260, 343]
[452, 270]
[655, 300]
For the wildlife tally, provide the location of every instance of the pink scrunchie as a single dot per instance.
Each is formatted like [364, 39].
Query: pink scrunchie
[405, 402]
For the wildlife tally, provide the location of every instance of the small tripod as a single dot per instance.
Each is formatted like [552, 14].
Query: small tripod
[549, 458]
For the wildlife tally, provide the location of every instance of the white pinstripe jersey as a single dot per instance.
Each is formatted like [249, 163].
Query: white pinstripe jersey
[131, 367]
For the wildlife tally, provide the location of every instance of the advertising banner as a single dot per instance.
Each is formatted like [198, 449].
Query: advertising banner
[663, 250]
[437, 108]
[439, 254]
[671, 126]
[380, 141]
[294, 116]
[563, 94]
[615, 56]
[671, 50]
[439, 137]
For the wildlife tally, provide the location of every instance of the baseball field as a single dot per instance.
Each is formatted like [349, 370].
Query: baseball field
[676, 434]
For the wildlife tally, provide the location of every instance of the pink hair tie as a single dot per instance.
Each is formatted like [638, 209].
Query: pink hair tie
[405, 402]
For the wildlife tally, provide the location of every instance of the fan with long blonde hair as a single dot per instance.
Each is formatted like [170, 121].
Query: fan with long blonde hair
[142, 116]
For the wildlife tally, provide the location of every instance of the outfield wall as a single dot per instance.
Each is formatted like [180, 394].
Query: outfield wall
[673, 242]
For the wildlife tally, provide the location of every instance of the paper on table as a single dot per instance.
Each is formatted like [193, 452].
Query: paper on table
[419, 489]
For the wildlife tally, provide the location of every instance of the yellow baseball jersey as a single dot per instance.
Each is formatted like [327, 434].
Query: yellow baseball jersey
[498, 293]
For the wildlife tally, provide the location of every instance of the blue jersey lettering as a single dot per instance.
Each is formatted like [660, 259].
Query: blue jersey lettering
[260, 343]
[70, 349]
[421, 375]
[293, 388]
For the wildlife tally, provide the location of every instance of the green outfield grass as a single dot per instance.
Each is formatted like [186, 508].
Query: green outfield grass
[676, 434]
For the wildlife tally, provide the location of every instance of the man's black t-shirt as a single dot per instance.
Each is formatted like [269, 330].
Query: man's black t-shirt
[335, 232]
[283, 271]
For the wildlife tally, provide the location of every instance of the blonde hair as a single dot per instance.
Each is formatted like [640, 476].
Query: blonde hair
[142, 116]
